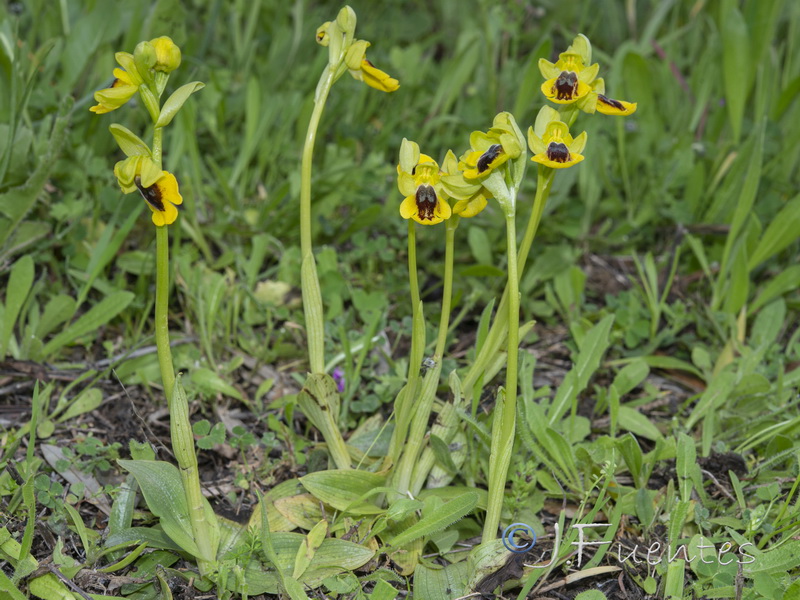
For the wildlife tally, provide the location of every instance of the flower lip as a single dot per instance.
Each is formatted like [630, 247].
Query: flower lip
[151, 195]
[558, 152]
[610, 101]
[486, 159]
[426, 202]
[566, 85]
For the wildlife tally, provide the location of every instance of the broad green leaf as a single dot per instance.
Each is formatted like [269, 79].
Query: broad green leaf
[448, 583]
[632, 455]
[786, 281]
[162, 488]
[630, 376]
[343, 489]
[632, 420]
[87, 401]
[19, 285]
[176, 101]
[438, 519]
[591, 595]
[58, 310]
[97, 316]
[130, 143]
[209, 382]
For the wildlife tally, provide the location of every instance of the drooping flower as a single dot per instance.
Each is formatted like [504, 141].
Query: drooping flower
[597, 101]
[126, 83]
[158, 188]
[556, 148]
[363, 70]
[419, 180]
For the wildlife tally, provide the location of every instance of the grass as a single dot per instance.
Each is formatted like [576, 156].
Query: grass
[658, 388]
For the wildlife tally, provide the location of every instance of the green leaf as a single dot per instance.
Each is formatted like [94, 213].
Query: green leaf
[782, 231]
[438, 519]
[100, 314]
[58, 310]
[209, 382]
[591, 595]
[441, 584]
[86, 401]
[19, 285]
[344, 489]
[162, 488]
[594, 345]
[442, 454]
[176, 101]
[130, 143]
[632, 420]
[737, 69]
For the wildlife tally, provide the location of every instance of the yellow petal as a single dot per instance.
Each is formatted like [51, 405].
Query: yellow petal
[609, 106]
[544, 160]
[378, 79]
[408, 208]
[169, 188]
[470, 207]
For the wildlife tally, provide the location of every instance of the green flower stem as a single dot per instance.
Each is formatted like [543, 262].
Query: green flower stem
[162, 306]
[405, 398]
[424, 404]
[412, 265]
[504, 426]
[497, 331]
[312, 297]
[177, 404]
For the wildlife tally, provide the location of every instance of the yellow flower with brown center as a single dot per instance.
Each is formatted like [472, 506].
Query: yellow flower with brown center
[556, 148]
[158, 188]
[488, 151]
[126, 83]
[569, 79]
[419, 180]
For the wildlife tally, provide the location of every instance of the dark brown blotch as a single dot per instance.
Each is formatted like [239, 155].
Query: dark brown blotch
[610, 102]
[487, 157]
[566, 85]
[426, 202]
[151, 195]
[558, 152]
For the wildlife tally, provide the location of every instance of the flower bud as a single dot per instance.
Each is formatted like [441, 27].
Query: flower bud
[168, 55]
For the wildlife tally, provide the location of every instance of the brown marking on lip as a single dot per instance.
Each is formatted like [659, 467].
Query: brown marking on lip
[487, 157]
[610, 102]
[151, 195]
[558, 152]
[566, 85]
[426, 202]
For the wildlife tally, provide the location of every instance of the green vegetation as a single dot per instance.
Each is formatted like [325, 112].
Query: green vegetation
[301, 394]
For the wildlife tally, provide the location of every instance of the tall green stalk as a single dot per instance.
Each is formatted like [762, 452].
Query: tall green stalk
[499, 327]
[312, 296]
[503, 438]
[181, 435]
[424, 404]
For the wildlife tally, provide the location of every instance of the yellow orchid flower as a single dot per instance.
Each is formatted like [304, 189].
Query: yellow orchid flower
[569, 79]
[158, 188]
[556, 148]
[126, 83]
[488, 151]
[363, 70]
[419, 180]
[599, 102]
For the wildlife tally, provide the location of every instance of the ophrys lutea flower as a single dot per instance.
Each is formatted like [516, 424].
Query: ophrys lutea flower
[556, 148]
[158, 188]
[363, 70]
[420, 181]
[569, 79]
[597, 101]
[126, 83]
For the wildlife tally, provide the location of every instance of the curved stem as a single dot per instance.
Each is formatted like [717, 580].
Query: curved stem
[503, 428]
[312, 297]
